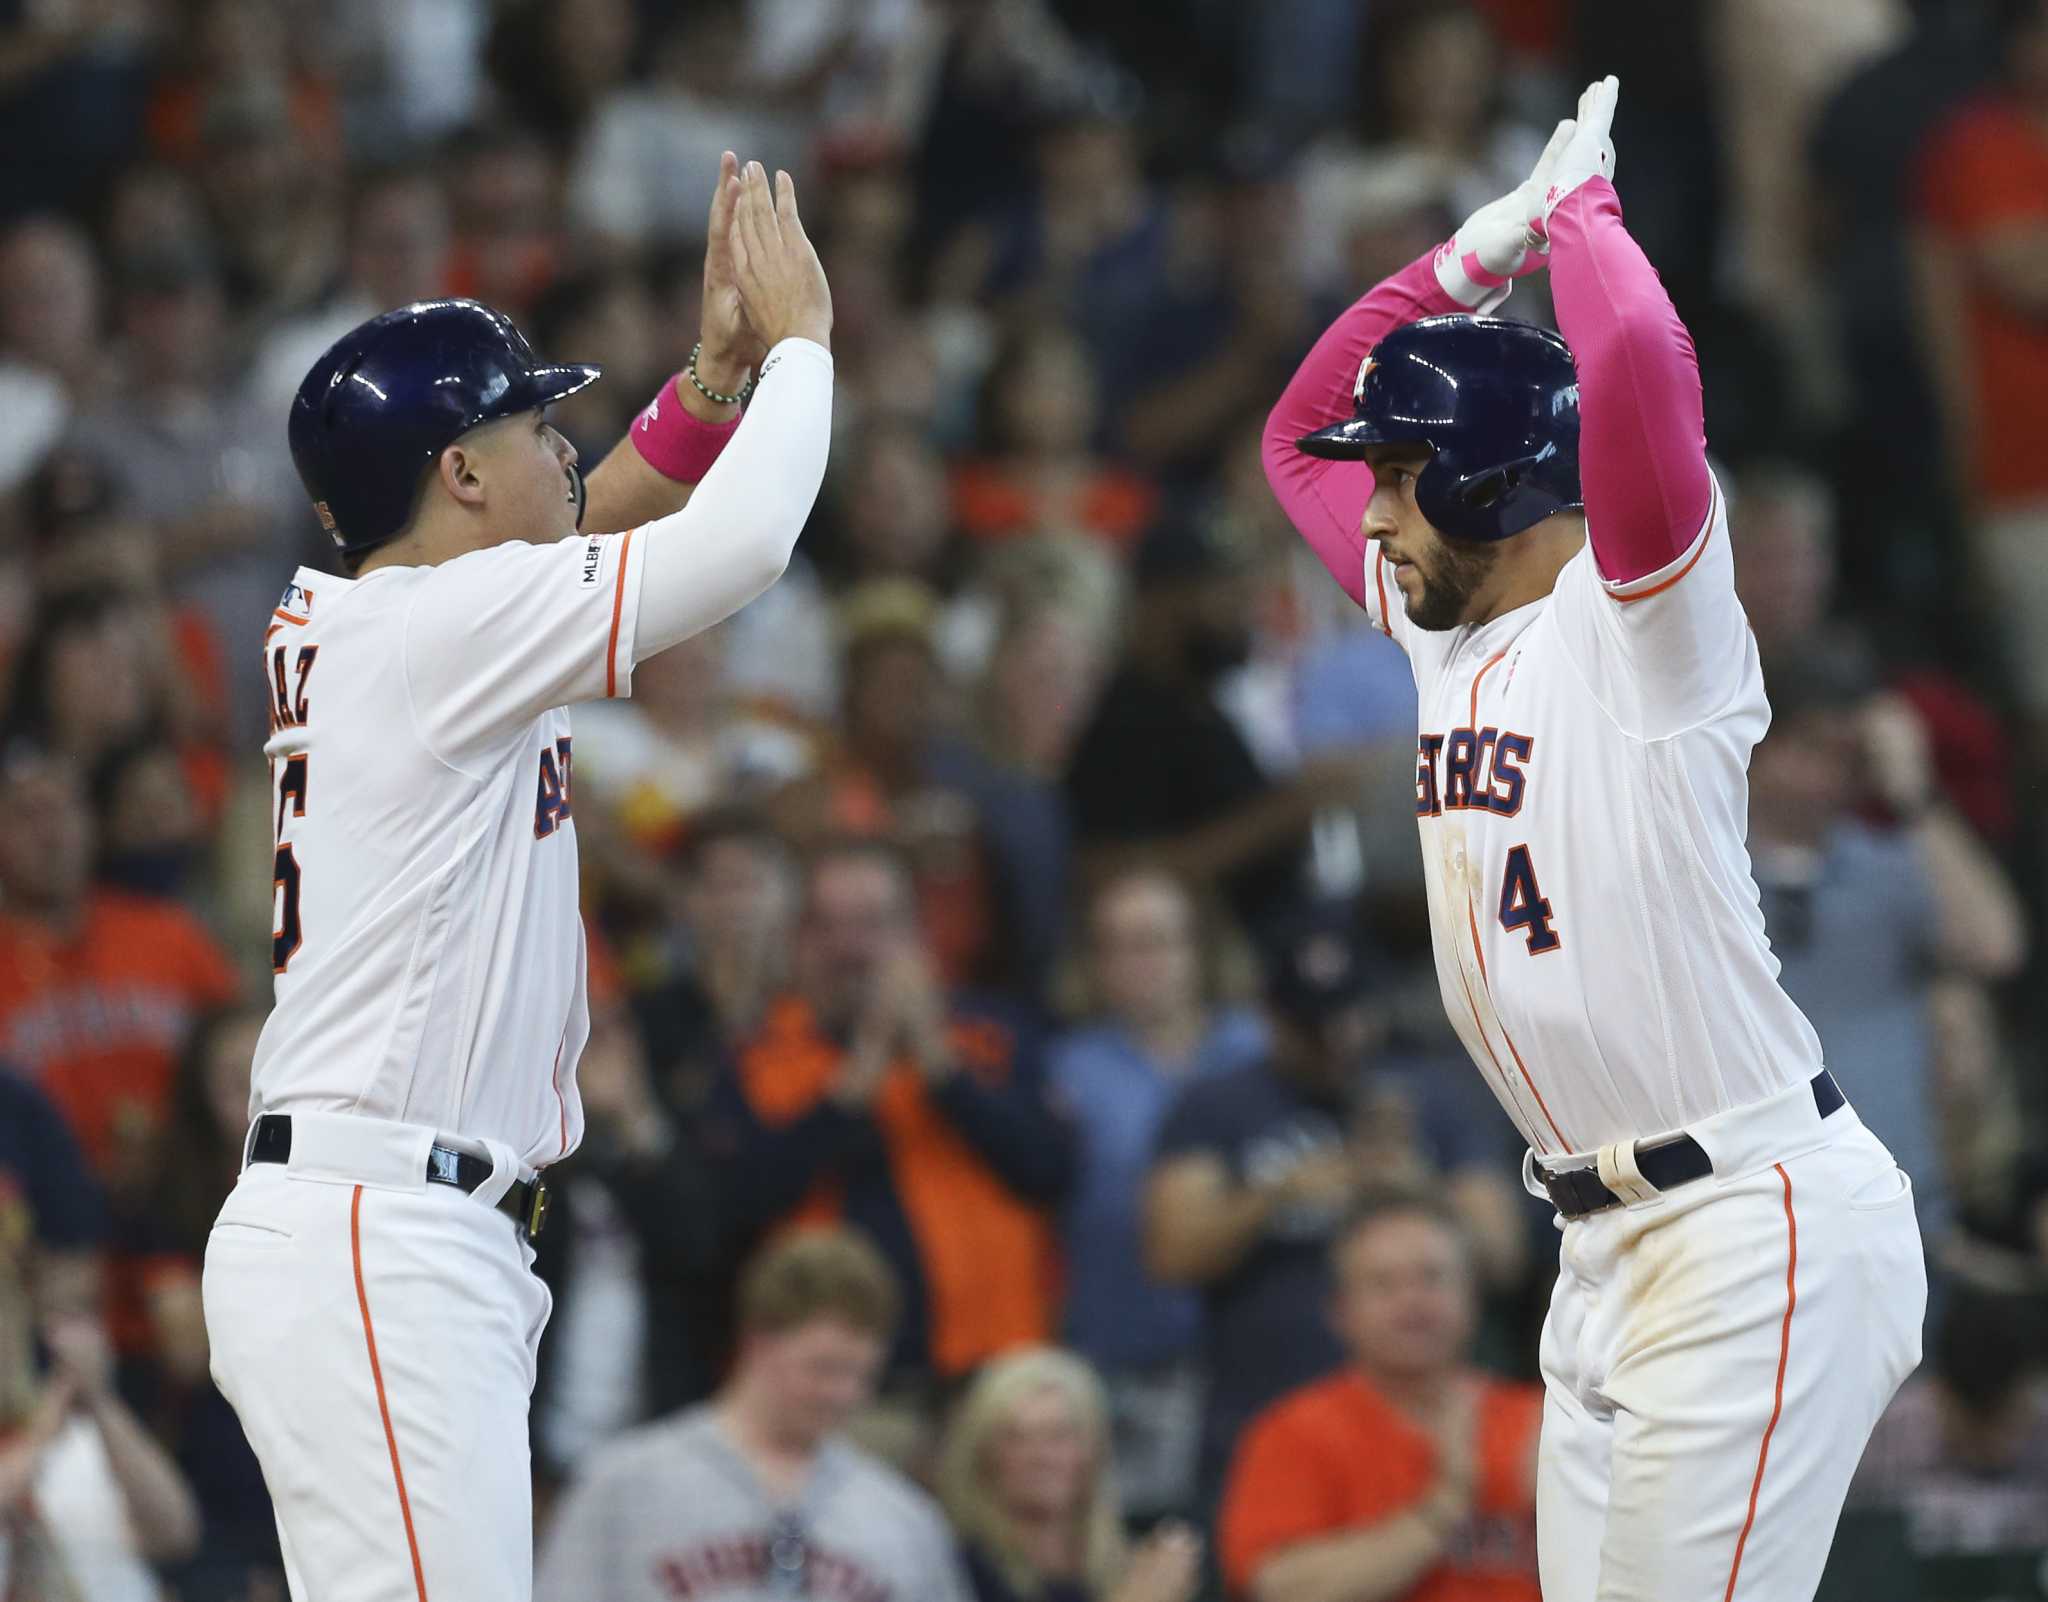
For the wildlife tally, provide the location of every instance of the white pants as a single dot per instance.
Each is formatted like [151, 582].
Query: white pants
[377, 1336]
[1714, 1361]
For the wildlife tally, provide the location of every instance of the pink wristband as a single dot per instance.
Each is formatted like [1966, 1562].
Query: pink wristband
[674, 443]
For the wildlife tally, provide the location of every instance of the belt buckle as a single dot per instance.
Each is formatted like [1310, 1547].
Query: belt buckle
[536, 1209]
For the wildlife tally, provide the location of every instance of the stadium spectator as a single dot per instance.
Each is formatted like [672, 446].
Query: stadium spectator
[759, 1493]
[504, 194]
[882, 781]
[1040, 409]
[88, 1498]
[1227, 323]
[97, 988]
[1432, 89]
[397, 248]
[610, 314]
[1199, 805]
[1962, 1452]
[1782, 529]
[650, 148]
[1252, 1172]
[635, 1254]
[1009, 760]
[1409, 1475]
[161, 1244]
[1028, 1479]
[50, 1203]
[682, 744]
[1862, 918]
[1983, 307]
[173, 436]
[553, 63]
[866, 1094]
[1155, 1031]
[51, 305]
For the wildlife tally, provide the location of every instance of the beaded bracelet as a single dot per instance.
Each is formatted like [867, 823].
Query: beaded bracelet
[708, 392]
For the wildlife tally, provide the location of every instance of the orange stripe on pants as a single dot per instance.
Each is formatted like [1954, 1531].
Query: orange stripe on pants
[1763, 1451]
[355, 1246]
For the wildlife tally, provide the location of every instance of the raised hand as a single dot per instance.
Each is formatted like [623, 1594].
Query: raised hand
[1498, 243]
[1588, 153]
[732, 349]
[781, 283]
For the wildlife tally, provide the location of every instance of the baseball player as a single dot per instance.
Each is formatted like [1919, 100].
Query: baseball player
[1533, 520]
[369, 1301]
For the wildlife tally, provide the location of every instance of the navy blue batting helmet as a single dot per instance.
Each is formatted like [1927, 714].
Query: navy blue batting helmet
[1497, 401]
[389, 396]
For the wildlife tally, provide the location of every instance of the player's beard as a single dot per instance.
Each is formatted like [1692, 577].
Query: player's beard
[1451, 575]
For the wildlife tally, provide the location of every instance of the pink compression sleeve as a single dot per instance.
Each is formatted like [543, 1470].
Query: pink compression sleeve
[1326, 500]
[1642, 436]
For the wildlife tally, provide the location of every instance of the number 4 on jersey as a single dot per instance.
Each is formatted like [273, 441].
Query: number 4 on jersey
[1522, 905]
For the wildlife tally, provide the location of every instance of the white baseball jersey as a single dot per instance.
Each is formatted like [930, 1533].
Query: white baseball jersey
[1582, 795]
[428, 947]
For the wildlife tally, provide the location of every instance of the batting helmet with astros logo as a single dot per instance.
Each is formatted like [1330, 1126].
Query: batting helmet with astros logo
[389, 396]
[1496, 401]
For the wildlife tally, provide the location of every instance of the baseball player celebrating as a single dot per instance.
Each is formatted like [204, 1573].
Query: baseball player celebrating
[1742, 1284]
[370, 1304]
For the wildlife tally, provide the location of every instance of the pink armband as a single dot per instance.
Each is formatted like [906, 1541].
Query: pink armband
[675, 443]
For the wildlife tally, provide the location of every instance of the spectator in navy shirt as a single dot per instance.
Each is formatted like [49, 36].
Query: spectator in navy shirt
[1253, 1170]
[49, 1198]
[1154, 1033]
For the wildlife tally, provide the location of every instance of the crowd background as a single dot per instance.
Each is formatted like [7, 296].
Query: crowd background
[1023, 893]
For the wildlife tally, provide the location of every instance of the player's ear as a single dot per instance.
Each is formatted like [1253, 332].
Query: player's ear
[458, 469]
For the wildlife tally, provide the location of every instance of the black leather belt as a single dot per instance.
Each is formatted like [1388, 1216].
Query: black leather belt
[1578, 1191]
[525, 1204]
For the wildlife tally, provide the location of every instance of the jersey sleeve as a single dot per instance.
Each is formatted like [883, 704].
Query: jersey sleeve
[1326, 500]
[1665, 651]
[497, 637]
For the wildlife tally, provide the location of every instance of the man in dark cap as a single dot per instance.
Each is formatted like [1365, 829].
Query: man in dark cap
[1162, 774]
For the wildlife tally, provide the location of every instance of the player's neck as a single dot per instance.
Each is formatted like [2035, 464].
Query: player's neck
[427, 542]
[1528, 566]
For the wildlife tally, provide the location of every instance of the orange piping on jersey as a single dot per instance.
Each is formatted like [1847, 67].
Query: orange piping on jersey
[1499, 1072]
[281, 613]
[1691, 562]
[561, 1105]
[611, 650]
[1763, 1452]
[1379, 577]
[275, 628]
[1491, 663]
[1472, 922]
[355, 1246]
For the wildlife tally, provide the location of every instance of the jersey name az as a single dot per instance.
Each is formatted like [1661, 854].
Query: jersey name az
[427, 944]
[1582, 797]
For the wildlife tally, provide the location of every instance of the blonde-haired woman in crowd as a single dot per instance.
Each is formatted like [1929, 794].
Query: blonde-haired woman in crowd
[1025, 1476]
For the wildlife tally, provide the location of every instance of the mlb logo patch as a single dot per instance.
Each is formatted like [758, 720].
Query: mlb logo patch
[593, 560]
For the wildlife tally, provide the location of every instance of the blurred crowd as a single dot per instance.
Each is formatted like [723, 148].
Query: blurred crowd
[1026, 1157]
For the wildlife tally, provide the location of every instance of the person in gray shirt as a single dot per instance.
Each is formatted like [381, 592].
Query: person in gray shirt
[757, 1496]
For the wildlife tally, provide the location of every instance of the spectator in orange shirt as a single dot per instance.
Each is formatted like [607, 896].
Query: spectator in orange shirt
[1039, 409]
[1407, 1475]
[870, 1095]
[1982, 266]
[97, 988]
